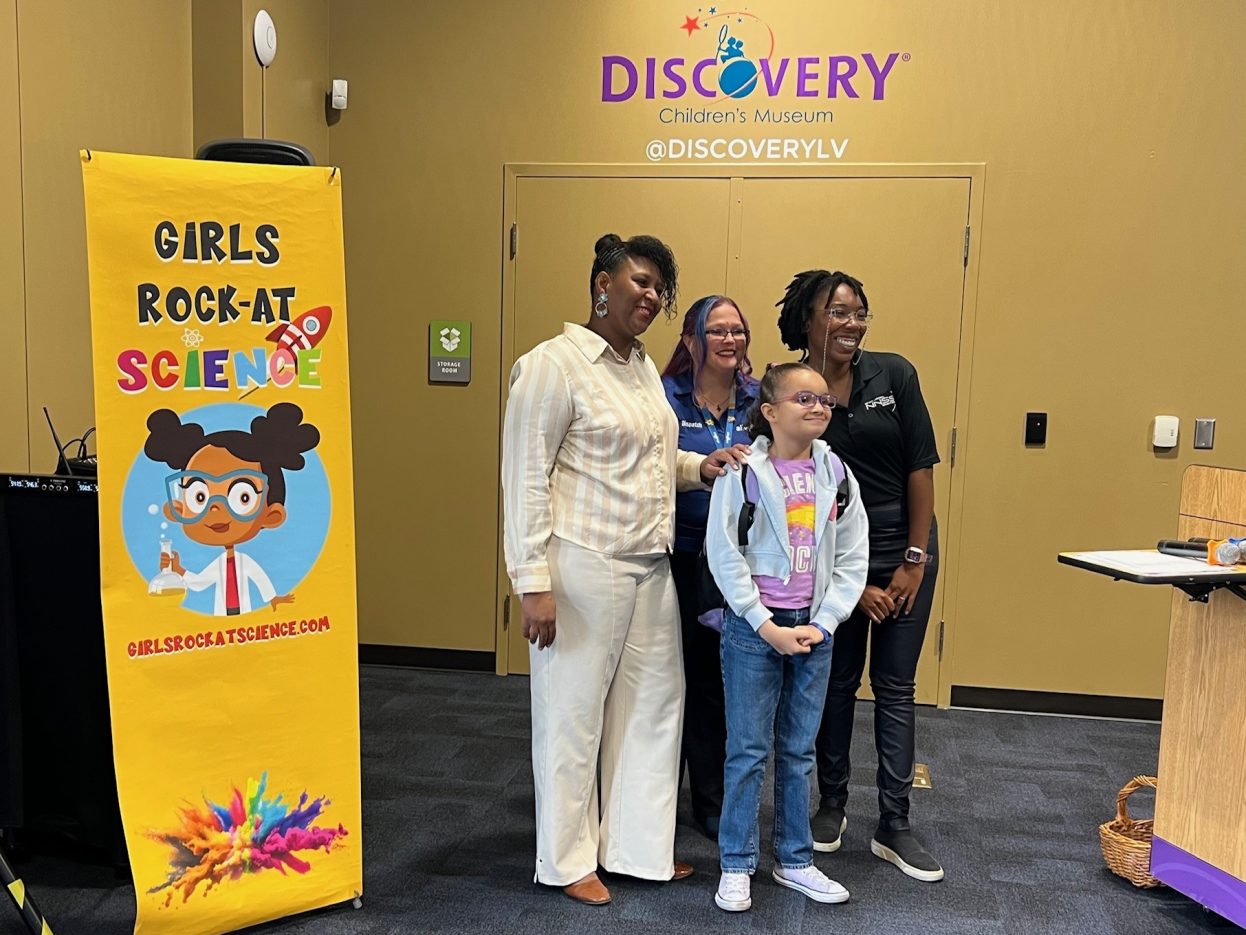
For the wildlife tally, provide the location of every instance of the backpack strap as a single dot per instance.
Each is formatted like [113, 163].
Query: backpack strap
[752, 493]
[840, 474]
[748, 480]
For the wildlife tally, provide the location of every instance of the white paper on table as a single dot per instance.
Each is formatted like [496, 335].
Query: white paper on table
[1150, 563]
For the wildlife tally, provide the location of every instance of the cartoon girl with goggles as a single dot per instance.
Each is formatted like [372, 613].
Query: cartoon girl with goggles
[227, 486]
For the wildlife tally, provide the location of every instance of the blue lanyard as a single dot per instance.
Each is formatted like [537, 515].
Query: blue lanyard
[728, 426]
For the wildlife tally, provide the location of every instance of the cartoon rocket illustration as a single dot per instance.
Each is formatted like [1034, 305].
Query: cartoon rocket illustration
[304, 333]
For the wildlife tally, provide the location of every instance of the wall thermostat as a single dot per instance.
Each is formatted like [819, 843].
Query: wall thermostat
[1165, 432]
[265, 33]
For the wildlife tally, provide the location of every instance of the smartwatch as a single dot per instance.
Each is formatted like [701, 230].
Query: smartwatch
[915, 555]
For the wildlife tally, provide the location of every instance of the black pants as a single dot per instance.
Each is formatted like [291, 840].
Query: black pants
[705, 718]
[893, 670]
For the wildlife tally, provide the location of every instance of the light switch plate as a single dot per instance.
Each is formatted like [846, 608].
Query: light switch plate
[1204, 433]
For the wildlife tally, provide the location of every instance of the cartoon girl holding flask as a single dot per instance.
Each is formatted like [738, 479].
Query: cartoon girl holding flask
[228, 486]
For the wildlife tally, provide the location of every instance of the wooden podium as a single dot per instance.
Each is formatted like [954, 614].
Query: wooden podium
[1199, 846]
[1200, 806]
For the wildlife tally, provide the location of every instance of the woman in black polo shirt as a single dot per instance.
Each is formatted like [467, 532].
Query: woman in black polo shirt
[882, 429]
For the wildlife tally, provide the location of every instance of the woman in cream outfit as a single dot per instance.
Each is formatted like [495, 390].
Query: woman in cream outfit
[590, 465]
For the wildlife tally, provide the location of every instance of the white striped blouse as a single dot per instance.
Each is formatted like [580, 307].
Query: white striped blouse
[589, 454]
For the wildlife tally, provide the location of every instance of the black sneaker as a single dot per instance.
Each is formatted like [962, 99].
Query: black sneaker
[906, 852]
[828, 827]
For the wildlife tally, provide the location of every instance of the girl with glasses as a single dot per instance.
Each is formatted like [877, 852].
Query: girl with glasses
[885, 435]
[708, 385]
[787, 590]
[227, 487]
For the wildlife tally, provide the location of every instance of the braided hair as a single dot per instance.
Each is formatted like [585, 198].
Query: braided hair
[796, 306]
[611, 250]
[771, 388]
[276, 442]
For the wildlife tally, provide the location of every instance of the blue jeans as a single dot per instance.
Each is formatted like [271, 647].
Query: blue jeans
[776, 700]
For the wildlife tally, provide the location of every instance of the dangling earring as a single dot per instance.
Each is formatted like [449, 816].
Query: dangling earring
[856, 357]
[600, 309]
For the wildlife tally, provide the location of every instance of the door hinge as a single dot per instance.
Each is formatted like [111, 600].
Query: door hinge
[515, 239]
[965, 258]
[952, 454]
[942, 627]
[506, 613]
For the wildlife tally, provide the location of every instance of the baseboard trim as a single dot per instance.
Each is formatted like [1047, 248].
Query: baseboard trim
[1033, 702]
[419, 657]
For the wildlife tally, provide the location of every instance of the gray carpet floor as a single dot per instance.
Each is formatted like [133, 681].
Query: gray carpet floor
[448, 835]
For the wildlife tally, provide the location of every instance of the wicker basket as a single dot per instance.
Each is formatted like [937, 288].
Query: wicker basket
[1126, 842]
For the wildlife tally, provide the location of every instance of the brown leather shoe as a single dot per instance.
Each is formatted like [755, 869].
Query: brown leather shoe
[590, 891]
[682, 870]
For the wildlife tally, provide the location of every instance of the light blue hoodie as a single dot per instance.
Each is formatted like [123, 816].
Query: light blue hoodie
[841, 545]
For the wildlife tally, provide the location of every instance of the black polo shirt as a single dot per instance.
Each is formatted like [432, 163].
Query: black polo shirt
[884, 432]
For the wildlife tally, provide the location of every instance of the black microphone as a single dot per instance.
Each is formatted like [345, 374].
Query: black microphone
[1184, 549]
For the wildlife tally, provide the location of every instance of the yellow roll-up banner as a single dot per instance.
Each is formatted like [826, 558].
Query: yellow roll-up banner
[218, 324]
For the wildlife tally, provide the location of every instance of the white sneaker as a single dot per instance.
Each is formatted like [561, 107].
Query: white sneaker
[812, 882]
[733, 892]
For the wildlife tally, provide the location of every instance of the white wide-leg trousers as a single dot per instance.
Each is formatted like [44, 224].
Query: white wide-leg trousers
[608, 693]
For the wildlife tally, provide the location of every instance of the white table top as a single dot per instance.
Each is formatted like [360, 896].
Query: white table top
[1147, 566]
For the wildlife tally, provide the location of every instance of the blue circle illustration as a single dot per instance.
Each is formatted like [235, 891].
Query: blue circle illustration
[286, 553]
[738, 78]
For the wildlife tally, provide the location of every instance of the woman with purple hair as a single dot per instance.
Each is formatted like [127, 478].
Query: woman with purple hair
[708, 385]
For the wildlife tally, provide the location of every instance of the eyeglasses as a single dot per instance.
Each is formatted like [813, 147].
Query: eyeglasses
[839, 313]
[240, 493]
[719, 334]
[805, 399]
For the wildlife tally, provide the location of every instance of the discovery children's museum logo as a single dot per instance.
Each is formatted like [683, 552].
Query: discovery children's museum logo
[734, 57]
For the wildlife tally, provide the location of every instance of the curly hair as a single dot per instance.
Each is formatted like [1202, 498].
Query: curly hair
[611, 250]
[797, 303]
[276, 442]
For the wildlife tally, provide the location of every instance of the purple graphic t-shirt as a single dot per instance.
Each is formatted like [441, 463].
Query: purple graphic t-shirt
[797, 478]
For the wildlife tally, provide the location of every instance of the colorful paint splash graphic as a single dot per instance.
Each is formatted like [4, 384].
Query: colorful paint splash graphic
[250, 835]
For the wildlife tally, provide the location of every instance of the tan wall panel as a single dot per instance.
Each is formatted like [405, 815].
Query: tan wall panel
[106, 76]
[252, 74]
[220, 44]
[1106, 283]
[1099, 199]
[294, 86]
[235, 96]
[13, 423]
[423, 206]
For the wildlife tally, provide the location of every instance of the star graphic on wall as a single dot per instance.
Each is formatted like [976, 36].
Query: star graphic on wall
[713, 10]
[690, 24]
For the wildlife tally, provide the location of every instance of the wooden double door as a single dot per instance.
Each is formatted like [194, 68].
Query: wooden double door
[904, 237]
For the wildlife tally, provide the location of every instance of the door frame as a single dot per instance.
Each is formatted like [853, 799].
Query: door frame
[973, 172]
